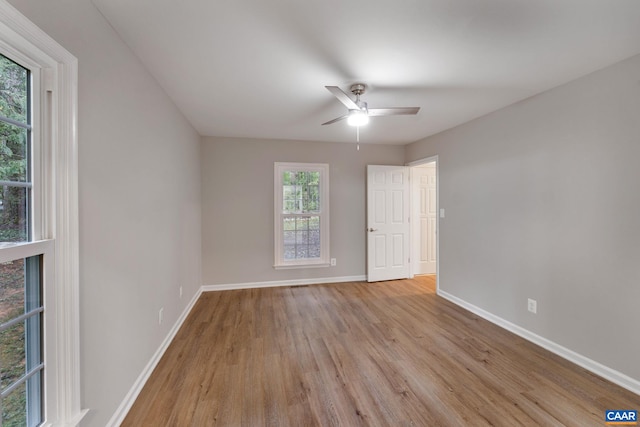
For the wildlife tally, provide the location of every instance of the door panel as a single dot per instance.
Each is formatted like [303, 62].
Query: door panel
[425, 211]
[398, 250]
[387, 222]
[381, 250]
[397, 210]
[379, 209]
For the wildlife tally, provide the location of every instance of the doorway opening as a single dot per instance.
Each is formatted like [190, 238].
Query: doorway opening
[424, 219]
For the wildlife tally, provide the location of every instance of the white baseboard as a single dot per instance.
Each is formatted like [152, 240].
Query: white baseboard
[599, 369]
[276, 283]
[130, 398]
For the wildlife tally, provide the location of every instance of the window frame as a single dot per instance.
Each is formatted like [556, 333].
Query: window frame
[279, 214]
[55, 177]
[34, 246]
[48, 344]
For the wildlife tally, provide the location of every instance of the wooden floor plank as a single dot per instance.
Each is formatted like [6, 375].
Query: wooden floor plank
[369, 354]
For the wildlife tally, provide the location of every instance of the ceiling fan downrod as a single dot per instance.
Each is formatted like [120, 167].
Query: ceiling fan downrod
[358, 89]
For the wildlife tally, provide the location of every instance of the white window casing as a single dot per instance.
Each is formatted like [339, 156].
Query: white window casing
[55, 196]
[295, 247]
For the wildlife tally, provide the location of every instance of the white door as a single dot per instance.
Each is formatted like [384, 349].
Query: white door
[387, 223]
[423, 180]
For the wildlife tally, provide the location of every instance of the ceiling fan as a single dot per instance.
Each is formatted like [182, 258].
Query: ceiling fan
[359, 112]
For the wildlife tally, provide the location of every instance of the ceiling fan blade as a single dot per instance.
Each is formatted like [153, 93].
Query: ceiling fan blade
[393, 111]
[343, 97]
[335, 120]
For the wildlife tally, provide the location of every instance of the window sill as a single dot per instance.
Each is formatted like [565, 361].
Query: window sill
[297, 266]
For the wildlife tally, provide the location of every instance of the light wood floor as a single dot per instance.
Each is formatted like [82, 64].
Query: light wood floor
[382, 354]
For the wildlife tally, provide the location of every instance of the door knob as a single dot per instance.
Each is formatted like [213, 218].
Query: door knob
[371, 230]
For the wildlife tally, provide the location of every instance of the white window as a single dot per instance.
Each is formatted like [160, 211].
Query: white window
[301, 215]
[39, 309]
[22, 312]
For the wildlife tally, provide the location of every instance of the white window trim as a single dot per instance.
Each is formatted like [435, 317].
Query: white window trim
[58, 167]
[324, 260]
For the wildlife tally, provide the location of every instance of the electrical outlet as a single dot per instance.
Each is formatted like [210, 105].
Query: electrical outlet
[181, 292]
[532, 305]
[160, 313]
[333, 262]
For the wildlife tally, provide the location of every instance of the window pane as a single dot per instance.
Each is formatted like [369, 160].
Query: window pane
[21, 344]
[33, 283]
[301, 178]
[302, 237]
[314, 198]
[14, 214]
[21, 349]
[11, 290]
[302, 223]
[289, 192]
[12, 355]
[301, 252]
[289, 224]
[289, 252]
[314, 251]
[34, 400]
[13, 152]
[314, 223]
[14, 407]
[289, 237]
[314, 178]
[32, 338]
[286, 178]
[301, 192]
[314, 237]
[13, 90]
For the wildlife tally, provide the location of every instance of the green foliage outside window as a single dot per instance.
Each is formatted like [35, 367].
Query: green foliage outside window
[13, 150]
[301, 192]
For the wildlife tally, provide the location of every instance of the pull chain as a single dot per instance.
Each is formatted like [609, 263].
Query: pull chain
[358, 137]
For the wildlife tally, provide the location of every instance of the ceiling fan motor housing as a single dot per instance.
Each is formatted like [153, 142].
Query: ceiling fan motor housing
[358, 89]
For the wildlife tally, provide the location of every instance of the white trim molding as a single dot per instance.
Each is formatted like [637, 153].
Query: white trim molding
[26, 42]
[279, 283]
[599, 369]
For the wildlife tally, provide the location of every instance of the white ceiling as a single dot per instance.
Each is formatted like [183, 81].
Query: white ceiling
[257, 68]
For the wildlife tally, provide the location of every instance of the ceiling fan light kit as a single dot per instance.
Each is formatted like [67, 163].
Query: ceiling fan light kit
[358, 118]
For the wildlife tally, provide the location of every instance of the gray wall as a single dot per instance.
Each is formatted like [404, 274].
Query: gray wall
[542, 201]
[237, 206]
[139, 204]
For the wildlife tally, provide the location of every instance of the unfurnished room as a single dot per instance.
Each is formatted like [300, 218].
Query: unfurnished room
[319, 213]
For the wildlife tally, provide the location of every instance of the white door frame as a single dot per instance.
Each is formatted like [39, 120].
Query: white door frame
[424, 241]
[414, 224]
